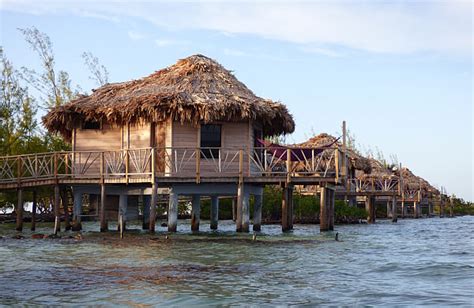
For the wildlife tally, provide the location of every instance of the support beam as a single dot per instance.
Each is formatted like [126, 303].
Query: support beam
[323, 209]
[257, 213]
[122, 214]
[195, 213]
[146, 201]
[19, 210]
[416, 210]
[240, 202]
[451, 207]
[430, 209]
[389, 209]
[77, 211]
[331, 206]
[33, 210]
[285, 208]
[153, 200]
[246, 212]
[404, 210]
[64, 202]
[103, 199]
[370, 208]
[173, 212]
[57, 218]
[234, 208]
[394, 209]
[290, 207]
[214, 212]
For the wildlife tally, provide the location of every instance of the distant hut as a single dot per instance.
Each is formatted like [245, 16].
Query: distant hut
[193, 105]
[358, 163]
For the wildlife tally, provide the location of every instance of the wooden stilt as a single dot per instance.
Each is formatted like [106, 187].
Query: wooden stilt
[290, 207]
[323, 209]
[234, 208]
[19, 210]
[103, 200]
[123, 204]
[285, 224]
[246, 212]
[77, 211]
[64, 202]
[404, 209]
[394, 209]
[331, 206]
[389, 209]
[173, 212]
[239, 212]
[33, 210]
[416, 210]
[153, 207]
[57, 218]
[370, 208]
[196, 212]
[451, 207]
[146, 200]
[214, 212]
[430, 209]
[257, 213]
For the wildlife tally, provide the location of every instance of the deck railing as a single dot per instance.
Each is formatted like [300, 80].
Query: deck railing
[130, 164]
[389, 184]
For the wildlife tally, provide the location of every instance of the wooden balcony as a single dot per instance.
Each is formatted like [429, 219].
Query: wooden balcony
[173, 165]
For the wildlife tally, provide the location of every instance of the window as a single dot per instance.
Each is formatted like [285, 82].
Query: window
[90, 125]
[210, 138]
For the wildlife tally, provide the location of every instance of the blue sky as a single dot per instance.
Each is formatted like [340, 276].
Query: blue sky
[399, 73]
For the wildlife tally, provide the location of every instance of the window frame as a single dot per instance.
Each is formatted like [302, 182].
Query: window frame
[210, 151]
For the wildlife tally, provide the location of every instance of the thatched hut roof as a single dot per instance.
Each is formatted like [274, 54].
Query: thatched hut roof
[358, 162]
[196, 89]
[413, 181]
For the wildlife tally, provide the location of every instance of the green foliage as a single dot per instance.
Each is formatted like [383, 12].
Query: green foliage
[343, 210]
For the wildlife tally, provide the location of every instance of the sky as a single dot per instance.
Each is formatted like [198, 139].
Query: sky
[399, 72]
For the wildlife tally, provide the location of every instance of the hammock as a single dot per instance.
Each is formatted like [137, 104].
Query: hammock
[297, 154]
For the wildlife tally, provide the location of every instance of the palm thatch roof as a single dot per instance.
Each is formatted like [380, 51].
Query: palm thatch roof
[196, 89]
[413, 181]
[357, 161]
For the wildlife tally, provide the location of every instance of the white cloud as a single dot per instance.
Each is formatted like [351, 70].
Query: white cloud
[382, 27]
[135, 35]
[170, 42]
[322, 51]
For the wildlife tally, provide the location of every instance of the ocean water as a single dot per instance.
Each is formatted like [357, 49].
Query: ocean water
[409, 263]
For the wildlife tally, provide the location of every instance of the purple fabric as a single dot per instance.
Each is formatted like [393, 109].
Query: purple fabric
[297, 154]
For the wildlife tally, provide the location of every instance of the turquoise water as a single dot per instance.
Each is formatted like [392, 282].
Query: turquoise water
[412, 262]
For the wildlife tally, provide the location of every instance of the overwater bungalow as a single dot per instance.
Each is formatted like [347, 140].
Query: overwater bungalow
[191, 129]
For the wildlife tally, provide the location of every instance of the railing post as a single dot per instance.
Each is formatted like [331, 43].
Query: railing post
[19, 163]
[241, 166]
[66, 163]
[198, 165]
[152, 167]
[127, 165]
[336, 163]
[55, 165]
[102, 168]
[288, 165]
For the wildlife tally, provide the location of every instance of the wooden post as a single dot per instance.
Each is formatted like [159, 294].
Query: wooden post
[288, 165]
[285, 224]
[234, 208]
[290, 207]
[19, 211]
[323, 209]
[57, 218]
[123, 204]
[246, 212]
[370, 208]
[153, 207]
[430, 208]
[389, 210]
[404, 210]
[196, 212]
[214, 212]
[173, 212]
[239, 210]
[394, 209]
[103, 199]
[64, 202]
[77, 211]
[257, 213]
[33, 211]
[416, 209]
[198, 165]
[146, 200]
[331, 207]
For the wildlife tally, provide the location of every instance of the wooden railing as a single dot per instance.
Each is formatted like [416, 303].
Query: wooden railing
[368, 184]
[148, 163]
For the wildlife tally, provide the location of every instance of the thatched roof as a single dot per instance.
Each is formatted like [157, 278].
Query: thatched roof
[196, 89]
[413, 181]
[358, 162]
